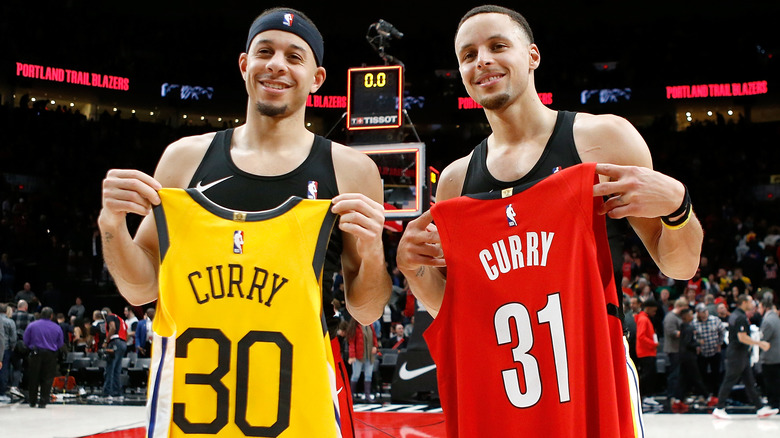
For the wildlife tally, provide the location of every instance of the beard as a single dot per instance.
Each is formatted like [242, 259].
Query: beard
[495, 102]
[270, 110]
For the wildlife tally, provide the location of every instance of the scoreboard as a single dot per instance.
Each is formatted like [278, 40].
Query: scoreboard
[374, 97]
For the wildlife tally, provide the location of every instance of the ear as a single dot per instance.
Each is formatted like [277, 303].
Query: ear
[534, 57]
[242, 62]
[319, 79]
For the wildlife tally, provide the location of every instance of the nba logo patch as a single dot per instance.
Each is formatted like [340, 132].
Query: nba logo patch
[510, 216]
[311, 190]
[238, 242]
[556, 169]
[288, 20]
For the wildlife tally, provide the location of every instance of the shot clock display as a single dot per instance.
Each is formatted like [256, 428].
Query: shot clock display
[374, 96]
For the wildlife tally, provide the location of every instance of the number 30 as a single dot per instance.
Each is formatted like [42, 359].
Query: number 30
[214, 379]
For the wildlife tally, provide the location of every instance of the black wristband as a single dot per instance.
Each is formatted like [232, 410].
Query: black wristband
[685, 208]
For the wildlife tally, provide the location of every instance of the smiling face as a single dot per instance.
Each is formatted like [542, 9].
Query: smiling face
[280, 71]
[496, 59]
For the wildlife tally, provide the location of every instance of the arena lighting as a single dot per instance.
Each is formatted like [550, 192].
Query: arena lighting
[219, 119]
[203, 117]
[236, 120]
[731, 113]
[151, 113]
[57, 74]
[133, 111]
[317, 101]
[709, 113]
[32, 99]
[688, 114]
[72, 104]
[184, 116]
[717, 90]
[53, 102]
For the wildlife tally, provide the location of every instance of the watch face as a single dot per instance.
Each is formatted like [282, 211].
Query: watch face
[373, 97]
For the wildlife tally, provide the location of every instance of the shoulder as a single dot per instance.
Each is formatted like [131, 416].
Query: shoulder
[345, 156]
[355, 171]
[607, 138]
[452, 178]
[181, 158]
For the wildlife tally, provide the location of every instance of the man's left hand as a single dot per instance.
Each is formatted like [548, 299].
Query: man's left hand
[637, 192]
[362, 217]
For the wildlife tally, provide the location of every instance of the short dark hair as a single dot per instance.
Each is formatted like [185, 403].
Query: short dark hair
[742, 298]
[685, 310]
[649, 303]
[514, 15]
[46, 313]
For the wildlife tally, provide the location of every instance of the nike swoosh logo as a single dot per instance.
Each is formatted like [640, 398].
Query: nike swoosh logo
[340, 389]
[201, 188]
[406, 374]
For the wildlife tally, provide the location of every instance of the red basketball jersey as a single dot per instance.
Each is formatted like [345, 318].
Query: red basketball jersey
[526, 341]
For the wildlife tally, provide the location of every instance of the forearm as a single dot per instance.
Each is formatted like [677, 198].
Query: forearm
[427, 284]
[677, 252]
[368, 291]
[131, 267]
[747, 340]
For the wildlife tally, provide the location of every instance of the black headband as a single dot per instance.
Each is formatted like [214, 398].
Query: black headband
[287, 21]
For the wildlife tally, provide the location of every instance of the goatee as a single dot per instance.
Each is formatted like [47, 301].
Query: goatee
[495, 102]
[270, 110]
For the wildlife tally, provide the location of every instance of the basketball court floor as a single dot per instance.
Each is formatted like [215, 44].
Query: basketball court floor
[371, 421]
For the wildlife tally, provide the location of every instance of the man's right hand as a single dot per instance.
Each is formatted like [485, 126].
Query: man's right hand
[131, 260]
[127, 191]
[420, 246]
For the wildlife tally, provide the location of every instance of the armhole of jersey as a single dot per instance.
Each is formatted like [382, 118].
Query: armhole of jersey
[162, 230]
[478, 156]
[216, 143]
[318, 262]
[599, 225]
[446, 240]
[570, 141]
[324, 147]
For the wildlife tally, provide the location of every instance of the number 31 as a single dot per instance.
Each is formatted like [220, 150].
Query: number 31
[551, 314]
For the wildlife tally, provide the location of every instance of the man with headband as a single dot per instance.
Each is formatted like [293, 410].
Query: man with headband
[254, 167]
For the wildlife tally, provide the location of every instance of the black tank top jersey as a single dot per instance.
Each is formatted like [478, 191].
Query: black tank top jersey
[236, 189]
[559, 153]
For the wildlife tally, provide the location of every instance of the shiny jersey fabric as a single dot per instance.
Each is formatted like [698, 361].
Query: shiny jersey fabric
[526, 341]
[240, 346]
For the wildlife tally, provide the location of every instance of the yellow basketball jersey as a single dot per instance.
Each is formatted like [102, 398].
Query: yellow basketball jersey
[240, 345]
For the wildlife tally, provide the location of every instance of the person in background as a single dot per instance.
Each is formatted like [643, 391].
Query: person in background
[362, 354]
[43, 338]
[770, 359]
[738, 361]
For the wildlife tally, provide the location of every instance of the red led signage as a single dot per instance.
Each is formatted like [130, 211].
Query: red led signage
[72, 76]
[315, 101]
[469, 103]
[716, 90]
